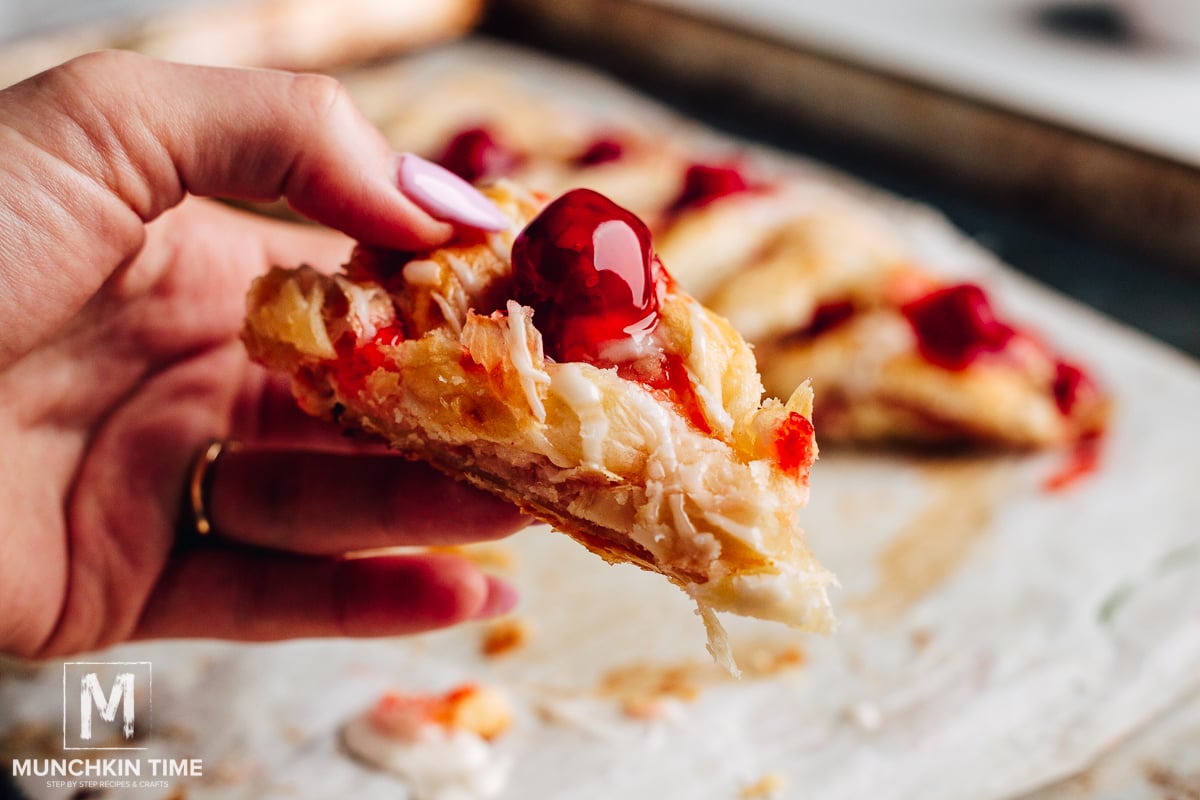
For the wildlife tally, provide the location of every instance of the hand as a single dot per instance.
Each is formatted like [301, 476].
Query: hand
[121, 299]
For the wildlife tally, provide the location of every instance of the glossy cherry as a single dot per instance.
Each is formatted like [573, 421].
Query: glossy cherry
[475, 155]
[704, 183]
[586, 268]
[955, 325]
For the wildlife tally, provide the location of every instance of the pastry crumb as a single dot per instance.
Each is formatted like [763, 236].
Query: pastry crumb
[504, 636]
[768, 786]
[920, 638]
[767, 660]
[641, 690]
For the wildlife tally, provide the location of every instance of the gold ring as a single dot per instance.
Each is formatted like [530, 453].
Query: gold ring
[200, 484]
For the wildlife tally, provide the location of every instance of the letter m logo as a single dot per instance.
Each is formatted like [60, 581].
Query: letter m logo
[90, 694]
[112, 699]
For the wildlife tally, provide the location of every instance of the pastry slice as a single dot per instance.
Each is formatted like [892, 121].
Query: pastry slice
[558, 365]
[826, 293]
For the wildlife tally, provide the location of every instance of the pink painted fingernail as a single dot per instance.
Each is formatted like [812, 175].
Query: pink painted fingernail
[501, 599]
[446, 196]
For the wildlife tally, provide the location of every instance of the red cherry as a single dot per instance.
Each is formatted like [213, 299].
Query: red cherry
[601, 151]
[955, 325]
[586, 268]
[704, 183]
[475, 156]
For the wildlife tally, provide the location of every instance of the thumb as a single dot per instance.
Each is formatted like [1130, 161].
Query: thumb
[150, 131]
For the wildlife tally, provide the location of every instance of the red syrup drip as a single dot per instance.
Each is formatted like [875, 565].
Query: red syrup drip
[1082, 460]
[670, 378]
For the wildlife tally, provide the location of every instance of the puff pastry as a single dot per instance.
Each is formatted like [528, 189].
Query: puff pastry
[558, 365]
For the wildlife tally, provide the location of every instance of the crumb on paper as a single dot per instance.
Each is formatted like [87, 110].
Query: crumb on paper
[293, 734]
[642, 690]
[504, 636]
[866, 715]
[763, 661]
[768, 786]
[648, 690]
[920, 638]
[652, 708]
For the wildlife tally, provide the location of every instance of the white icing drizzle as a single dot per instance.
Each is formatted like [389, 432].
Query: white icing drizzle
[655, 422]
[517, 341]
[584, 398]
[359, 313]
[714, 411]
[449, 313]
[747, 533]
[679, 515]
[469, 278]
[709, 393]
[423, 272]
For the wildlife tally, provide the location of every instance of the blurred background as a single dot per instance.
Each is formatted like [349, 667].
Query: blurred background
[1061, 134]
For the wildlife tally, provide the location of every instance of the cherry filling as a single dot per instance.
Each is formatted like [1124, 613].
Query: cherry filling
[794, 445]
[670, 377]
[704, 183]
[955, 325]
[586, 268]
[600, 151]
[356, 362]
[476, 156]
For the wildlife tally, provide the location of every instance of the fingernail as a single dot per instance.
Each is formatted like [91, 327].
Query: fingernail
[446, 196]
[501, 599]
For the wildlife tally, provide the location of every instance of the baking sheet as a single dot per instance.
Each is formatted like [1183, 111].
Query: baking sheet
[995, 636]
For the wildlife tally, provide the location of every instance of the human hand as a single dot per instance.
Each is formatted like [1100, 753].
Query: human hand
[122, 298]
